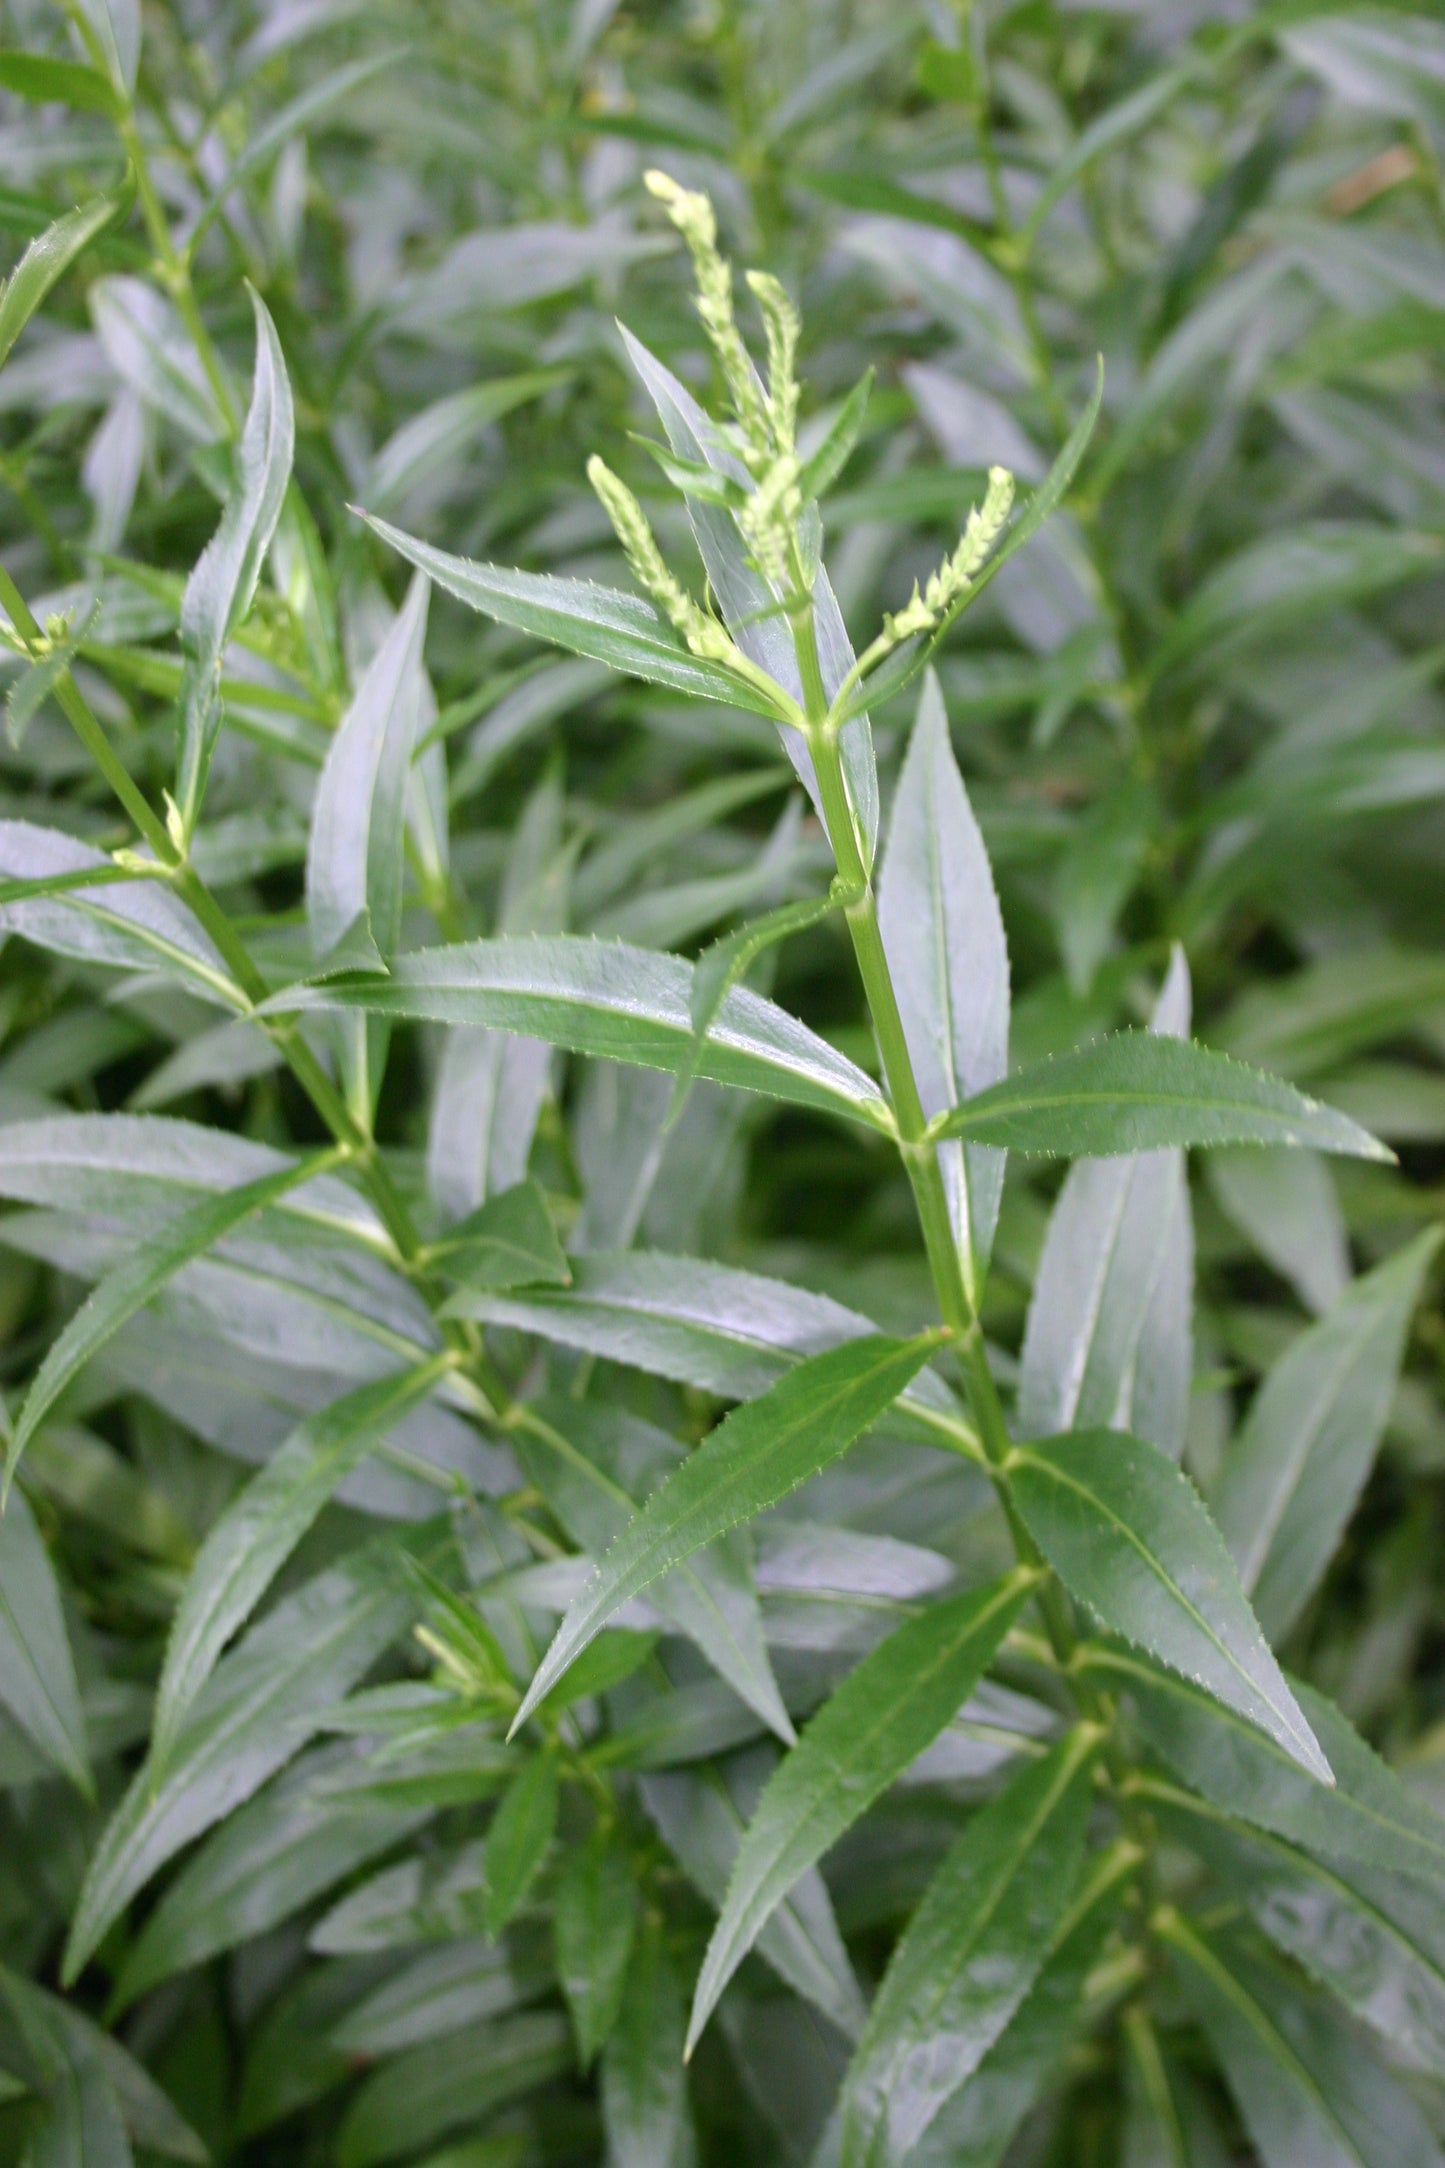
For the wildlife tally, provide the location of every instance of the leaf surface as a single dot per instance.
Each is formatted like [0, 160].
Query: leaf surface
[1129, 1536]
[1293, 1474]
[755, 1456]
[37, 1669]
[969, 1955]
[1138, 1091]
[875, 1724]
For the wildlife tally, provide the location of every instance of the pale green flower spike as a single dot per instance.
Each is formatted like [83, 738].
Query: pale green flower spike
[780, 320]
[702, 633]
[955, 575]
[692, 214]
[768, 519]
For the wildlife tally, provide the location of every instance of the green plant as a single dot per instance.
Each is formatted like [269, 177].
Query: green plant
[698, 1562]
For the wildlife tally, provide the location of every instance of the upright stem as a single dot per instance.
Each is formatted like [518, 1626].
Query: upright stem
[919, 1152]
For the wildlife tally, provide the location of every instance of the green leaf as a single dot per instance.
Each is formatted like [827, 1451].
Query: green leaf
[603, 1664]
[37, 1670]
[1107, 1339]
[1307, 2087]
[594, 1923]
[30, 691]
[1128, 1535]
[727, 1332]
[601, 622]
[507, 1242]
[44, 80]
[134, 1282]
[1287, 578]
[255, 1712]
[969, 1955]
[943, 935]
[624, 1004]
[220, 590]
[1138, 1091]
[354, 861]
[137, 925]
[754, 1457]
[702, 1816]
[456, 2080]
[574, 1451]
[48, 257]
[645, 2109]
[876, 1723]
[1117, 124]
[301, 1835]
[975, 2125]
[1368, 1818]
[1293, 1474]
[56, 2041]
[519, 1837]
[250, 1542]
[725, 962]
[444, 1989]
[823, 466]
[1375, 1941]
[1286, 1205]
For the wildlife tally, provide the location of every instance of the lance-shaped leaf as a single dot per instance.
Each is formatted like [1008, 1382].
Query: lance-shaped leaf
[724, 962]
[624, 1004]
[1138, 1091]
[702, 1816]
[1377, 1941]
[879, 1720]
[262, 1526]
[37, 1670]
[1107, 1339]
[756, 1456]
[725, 1331]
[969, 1955]
[219, 590]
[594, 1924]
[257, 1709]
[975, 2125]
[1129, 1536]
[518, 1838]
[576, 1452]
[49, 255]
[1368, 1818]
[1292, 1476]
[307, 1831]
[136, 925]
[1307, 2086]
[131, 1285]
[449, 2082]
[645, 2108]
[52, 2039]
[942, 930]
[601, 622]
[507, 1242]
[354, 862]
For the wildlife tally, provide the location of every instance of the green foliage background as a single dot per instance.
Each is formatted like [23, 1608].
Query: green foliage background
[318, 1910]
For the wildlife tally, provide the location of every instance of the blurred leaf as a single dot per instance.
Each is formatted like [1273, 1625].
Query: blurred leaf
[519, 1837]
[51, 253]
[37, 1670]
[507, 1242]
[645, 2108]
[594, 1925]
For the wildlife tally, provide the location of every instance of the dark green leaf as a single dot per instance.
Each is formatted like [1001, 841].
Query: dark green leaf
[50, 255]
[877, 1722]
[1292, 1476]
[756, 1456]
[594, 1924]
[519, 1837]
[37, 1670]
[969, 1956]
[1138, 1091]
[645, 2108]
[507, 1242]
[250, 1542]
[1129, 1536]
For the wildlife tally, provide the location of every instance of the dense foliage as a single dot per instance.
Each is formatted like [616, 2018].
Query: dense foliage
[585, 1480]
